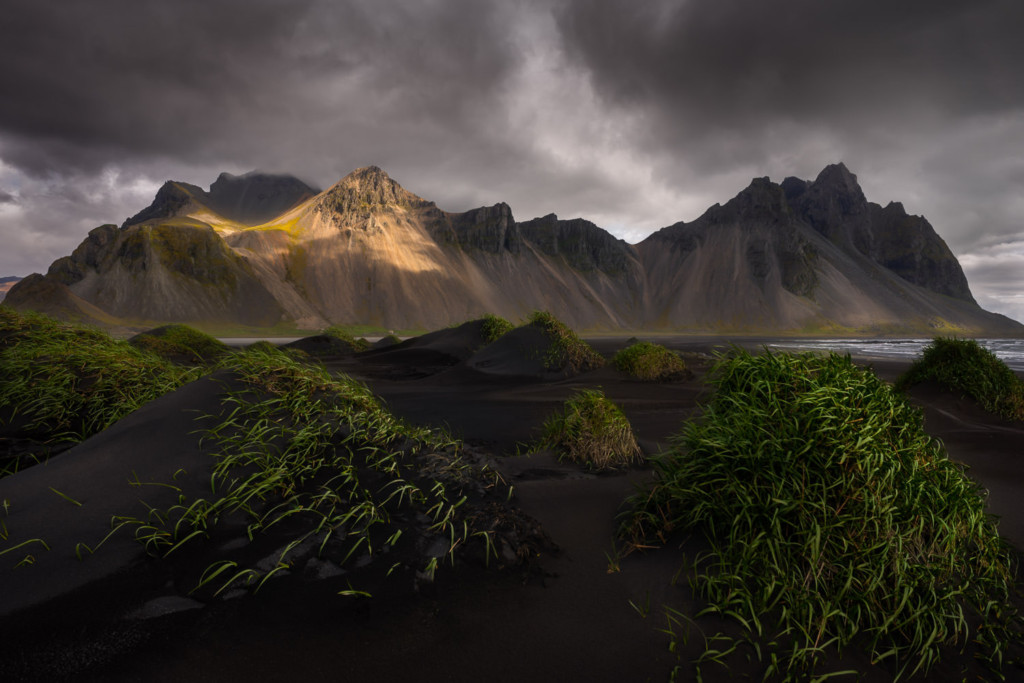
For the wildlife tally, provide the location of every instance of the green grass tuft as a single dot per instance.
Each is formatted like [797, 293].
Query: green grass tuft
[179, 341]
[339, 332]
[963, 365]
[651, 362]
[568, 351]
[833, 519]
[65, 382]
[495, 327]
[592, 431]
[318, 457]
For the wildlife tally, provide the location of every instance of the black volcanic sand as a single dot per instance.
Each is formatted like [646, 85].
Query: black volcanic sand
[565, 617]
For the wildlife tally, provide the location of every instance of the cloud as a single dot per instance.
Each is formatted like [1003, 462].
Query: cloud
[721, 65]
[50, 217]
[995, 271]
[633, 115]
[249, 81]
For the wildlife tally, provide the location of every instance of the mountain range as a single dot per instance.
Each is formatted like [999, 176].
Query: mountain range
[265, 250]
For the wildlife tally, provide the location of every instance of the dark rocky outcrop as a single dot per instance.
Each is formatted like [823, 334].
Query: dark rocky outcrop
[909, 246]
[489, 228]
[255, 197]
[835, 206]
[583, 245]
[86, 257]
[252, 198]
[172, 199]
[364, 191]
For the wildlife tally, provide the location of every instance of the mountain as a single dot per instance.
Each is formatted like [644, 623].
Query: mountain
[5, 285]
[809, 255]
[262, 250]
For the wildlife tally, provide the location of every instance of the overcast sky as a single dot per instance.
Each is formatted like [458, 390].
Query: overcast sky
[631, 114]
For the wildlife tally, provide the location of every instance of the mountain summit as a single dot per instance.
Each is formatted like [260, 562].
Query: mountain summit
[811, 256]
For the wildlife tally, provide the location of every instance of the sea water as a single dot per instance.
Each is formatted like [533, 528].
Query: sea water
[1010, 351]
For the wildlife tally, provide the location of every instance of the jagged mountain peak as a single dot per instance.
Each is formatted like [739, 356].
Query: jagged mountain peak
[837, 180]
[761, 200]
[367, 189]
[172, 199]
[256, 197]
[251, 198]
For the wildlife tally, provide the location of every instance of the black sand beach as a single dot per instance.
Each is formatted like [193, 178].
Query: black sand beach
[572, 613]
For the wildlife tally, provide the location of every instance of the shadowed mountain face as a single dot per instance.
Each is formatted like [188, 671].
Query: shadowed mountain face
[248, 199]
[263, 250]
[812, 255]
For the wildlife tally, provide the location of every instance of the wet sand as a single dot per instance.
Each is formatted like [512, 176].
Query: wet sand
[571, 614]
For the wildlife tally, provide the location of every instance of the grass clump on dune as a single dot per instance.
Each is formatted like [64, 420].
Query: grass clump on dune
[651, 362]
[833, 521]
[592, 431]
[567, 351]
[965, 366]
[494, 327]
[339, 332]
[179, 341]
[65, 382]
[320, 460]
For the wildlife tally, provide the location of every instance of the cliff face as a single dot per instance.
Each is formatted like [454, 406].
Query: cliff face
[249, 199]
[907, 245]
[809, 255]
[263, 250]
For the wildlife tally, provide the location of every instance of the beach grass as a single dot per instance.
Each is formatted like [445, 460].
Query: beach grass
[833, 520]
[66, 382]
[495, 327]
[567, 350]
[179, 341]
[343, 334]
[650, 362]
[592, 431]
[966, 367]
[317, 455]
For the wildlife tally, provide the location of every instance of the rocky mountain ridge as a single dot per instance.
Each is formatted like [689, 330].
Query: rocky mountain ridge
[6, 283]
[269, 250]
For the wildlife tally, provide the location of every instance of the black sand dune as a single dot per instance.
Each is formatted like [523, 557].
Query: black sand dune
[322, 345]
[569, 615]
[426, 354]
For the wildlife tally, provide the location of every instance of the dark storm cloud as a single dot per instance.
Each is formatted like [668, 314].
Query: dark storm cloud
[7, 198]
[712, 65]
[632, 114]
[199, 80]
